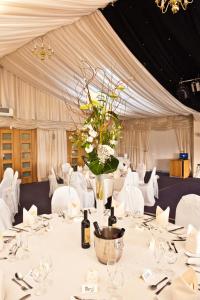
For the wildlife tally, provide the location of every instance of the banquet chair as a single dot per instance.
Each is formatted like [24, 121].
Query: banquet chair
[11, 195]
[86, 196]
[147, 189]
[53, 184]
[62, 197]
[66, 172]
[132, 198]
[188, 211]
[5, 216]
[141, 170]
[7, 180]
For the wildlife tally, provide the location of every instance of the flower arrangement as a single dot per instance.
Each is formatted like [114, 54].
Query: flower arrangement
[101, 129]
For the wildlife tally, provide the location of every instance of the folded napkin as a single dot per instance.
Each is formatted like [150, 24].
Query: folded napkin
[29, 216]
[185, 287]
[119, 208]
[162, 216]
[193, 240]
[73, 209]
[2, 286]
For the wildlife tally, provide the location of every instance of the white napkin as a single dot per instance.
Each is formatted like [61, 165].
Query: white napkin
[162, 216]
[185, 287]
[193, 240]
[73, 209]
[2, 286]
[119, 208]
[29, 216]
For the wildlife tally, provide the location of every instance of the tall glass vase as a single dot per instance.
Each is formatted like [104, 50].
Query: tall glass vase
[100, 198]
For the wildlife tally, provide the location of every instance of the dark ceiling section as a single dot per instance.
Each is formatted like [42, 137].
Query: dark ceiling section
[167, 45]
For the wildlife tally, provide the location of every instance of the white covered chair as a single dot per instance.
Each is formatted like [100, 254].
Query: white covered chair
[188, 211]
[79, 182]
[53, 184]
[63, 197]
[147, 189]
[132, 198]
[141, 170]
[7, 180]
[5, 216]
[66, 172]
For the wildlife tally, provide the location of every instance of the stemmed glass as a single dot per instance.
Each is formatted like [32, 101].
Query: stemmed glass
[39, 274]
[116, 278]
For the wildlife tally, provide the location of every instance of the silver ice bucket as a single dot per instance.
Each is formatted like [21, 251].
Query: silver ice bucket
[109, 246]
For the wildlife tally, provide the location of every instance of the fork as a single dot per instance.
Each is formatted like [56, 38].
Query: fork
[166, 284]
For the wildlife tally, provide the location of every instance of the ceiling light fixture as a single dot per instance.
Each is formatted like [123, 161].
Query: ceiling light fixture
[42, 49]
[174, 4]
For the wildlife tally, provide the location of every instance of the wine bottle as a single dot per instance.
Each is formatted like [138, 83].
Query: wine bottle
[97, 229]
[121, 233]
[85, 231]
[112, 219]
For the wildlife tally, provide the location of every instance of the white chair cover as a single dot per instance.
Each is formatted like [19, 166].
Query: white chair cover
[7, 180]
[53, 185]
[188, 211]
[148, 190]
[62, 197]
[132, 179]
[155, 186]
[66, 172]
[108, 184]
[141, 170]
[132, 198]
[5, 216]
[79, 182]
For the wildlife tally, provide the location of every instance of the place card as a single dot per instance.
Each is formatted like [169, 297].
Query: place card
[89, 288]
[146, 275]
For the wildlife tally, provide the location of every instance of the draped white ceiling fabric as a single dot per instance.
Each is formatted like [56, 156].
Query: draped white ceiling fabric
[91, 38]
[22, 20]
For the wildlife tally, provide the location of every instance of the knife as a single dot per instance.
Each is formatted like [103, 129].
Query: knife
[172, 230]
[25, 297]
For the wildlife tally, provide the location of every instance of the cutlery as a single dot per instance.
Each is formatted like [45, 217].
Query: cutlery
[179, 240]
[192, 264]
[172, 230]
[19, 229]
[160, 290]
[154, 286]
[1, 258]
[149, 220]
[25, 297]
[173, 244]
[78, 298]
[24, 288]
[20, 277]
[170, 247]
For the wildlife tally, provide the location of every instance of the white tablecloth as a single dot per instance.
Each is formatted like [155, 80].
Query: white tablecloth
[71, 263]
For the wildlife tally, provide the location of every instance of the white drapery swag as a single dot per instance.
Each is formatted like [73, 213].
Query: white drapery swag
[92, 39]
[136, 136]
[34, 108]
[36, 17]
[51, 151]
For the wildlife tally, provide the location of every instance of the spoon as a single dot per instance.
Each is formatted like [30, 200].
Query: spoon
[166, 284]
[154, 286]
[24, 288]
[20, 277]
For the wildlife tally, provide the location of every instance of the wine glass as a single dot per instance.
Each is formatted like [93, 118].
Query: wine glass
[116, 278]
[39, 274]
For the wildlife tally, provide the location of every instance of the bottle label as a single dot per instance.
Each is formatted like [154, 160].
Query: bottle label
[87, 235]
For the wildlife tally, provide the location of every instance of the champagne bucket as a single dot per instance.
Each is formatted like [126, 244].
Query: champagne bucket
[109, 246]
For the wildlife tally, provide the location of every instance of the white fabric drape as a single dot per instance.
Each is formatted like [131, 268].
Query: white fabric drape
[34, 108]
[22, 20]
[93, 39]
[51, 151]
[136, 135]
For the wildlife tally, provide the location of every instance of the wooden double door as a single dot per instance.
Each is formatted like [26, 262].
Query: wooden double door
[18, 151]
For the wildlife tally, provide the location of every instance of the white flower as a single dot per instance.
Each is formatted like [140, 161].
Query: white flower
[93, 133]
[90, 139]
[89, 126]
[89, 148]
[104, 152]
[113, 142]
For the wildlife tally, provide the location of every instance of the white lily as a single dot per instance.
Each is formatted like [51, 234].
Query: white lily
[89, 149]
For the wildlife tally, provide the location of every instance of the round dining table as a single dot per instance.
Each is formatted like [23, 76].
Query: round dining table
[61, 241]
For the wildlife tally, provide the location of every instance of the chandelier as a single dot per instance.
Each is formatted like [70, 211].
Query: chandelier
[174, 4]
[42, 50]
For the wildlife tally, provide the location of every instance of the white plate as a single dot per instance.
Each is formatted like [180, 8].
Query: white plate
[194, 260]
[192, 254]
